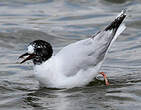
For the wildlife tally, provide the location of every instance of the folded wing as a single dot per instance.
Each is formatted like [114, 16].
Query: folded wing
[90, 52]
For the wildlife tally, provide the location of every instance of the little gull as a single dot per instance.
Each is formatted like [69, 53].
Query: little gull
[76, 64]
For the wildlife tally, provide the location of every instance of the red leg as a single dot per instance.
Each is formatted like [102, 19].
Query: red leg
[105, 78]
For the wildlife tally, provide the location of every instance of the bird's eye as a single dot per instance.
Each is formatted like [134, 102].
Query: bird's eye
[38, 49]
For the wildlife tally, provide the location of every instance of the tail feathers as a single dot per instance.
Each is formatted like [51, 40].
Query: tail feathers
[121, 28]
[116, 23]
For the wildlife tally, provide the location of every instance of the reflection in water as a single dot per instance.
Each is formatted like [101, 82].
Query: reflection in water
[90, 97]
[76, 98]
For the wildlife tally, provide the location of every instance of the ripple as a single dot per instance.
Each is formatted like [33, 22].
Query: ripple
[61, 22]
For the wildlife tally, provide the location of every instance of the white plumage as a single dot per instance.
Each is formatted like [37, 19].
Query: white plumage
[78, 63]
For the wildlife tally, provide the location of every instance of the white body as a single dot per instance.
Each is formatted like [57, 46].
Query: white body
[78, 63]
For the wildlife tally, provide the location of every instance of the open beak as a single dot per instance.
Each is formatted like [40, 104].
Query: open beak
[29, 57]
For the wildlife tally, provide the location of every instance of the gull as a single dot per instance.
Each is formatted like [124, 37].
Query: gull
[76, 64]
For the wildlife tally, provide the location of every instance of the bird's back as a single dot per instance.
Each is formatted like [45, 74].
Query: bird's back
[77, 56]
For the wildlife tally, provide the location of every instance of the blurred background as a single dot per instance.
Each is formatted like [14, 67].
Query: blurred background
[61, 22]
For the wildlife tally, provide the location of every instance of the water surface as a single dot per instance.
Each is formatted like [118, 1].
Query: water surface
[61, 22]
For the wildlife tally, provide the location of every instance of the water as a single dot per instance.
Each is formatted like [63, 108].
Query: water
[62, 22]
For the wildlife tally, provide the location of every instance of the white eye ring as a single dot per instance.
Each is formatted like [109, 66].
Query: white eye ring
[30, 49]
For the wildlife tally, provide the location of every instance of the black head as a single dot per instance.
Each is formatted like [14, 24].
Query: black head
[38, 51]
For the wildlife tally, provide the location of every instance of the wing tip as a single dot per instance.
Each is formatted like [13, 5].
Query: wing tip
[116, 23]
[123, 12]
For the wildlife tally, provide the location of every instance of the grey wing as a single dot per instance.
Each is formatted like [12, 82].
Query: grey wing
[77, 56]
[89, 52]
